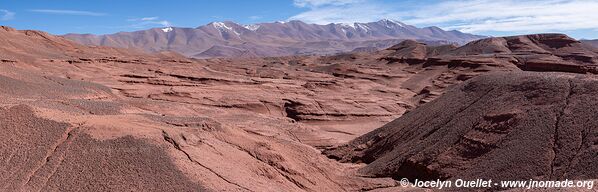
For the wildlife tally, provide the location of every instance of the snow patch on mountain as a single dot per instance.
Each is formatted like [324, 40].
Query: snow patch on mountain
[362, 27]
[167, 29]
[253, 27]
[348, 25]
[222, 27]
[389, 23]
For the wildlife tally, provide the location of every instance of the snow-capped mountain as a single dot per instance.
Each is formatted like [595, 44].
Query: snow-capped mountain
[224, 39]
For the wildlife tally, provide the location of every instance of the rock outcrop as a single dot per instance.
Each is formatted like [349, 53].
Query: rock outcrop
[541, 52]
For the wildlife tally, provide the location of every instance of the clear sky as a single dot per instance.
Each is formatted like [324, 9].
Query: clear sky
[578, 18]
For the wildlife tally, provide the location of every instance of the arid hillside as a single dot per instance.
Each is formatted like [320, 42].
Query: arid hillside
[109, 119]
[503, 126]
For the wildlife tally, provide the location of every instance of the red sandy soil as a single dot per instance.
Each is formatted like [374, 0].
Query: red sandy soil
[96, 118]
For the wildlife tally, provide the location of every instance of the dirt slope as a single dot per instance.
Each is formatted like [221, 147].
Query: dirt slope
[504, 126]
[81, 120]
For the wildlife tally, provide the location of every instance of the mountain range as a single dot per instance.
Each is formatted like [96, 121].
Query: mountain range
[593, 43]
[229, 39]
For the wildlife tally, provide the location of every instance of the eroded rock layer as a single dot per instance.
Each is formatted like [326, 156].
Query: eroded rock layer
[102, 119]
[504, 126]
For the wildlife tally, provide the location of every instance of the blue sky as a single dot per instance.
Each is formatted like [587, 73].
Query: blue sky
[578, 18]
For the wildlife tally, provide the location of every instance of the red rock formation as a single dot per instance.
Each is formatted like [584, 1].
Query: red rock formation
[505, 126]
[114, 119]
[217, 124]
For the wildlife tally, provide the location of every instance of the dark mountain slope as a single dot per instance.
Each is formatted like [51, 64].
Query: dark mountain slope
[504, 126]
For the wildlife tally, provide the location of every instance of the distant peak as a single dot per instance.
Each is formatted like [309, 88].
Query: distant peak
[356, 26]
[389, 23]
[217, 23]
[389, 20]
[348, 25]
[222, 27]
[167, 29]
[7, 28]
